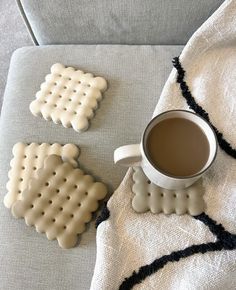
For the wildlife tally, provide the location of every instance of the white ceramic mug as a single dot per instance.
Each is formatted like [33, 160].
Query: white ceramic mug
[136, 154]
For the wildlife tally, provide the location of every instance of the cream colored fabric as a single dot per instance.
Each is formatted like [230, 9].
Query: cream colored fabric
[128, 240]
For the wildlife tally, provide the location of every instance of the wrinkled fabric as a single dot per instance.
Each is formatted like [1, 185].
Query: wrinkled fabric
[127, 240]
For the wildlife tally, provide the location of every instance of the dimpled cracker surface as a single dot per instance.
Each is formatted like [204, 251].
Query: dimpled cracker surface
[149, 196]
[69, 97]
[27, 158]
[59, 201]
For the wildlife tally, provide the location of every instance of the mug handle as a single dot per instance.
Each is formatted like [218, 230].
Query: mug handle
[128, 155]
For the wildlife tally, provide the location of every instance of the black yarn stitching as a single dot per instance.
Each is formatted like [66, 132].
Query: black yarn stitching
[225, 241]
[104, 215]
[225, 145]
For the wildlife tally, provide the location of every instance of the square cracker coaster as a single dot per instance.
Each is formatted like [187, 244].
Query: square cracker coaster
[27, 158]
[69, 97]
[59, 201]
[149, 196]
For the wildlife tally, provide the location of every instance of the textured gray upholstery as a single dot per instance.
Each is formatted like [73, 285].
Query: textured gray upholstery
[136, 75]
[117, 21]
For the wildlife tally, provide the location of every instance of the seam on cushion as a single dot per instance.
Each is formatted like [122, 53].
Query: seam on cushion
[26, 21]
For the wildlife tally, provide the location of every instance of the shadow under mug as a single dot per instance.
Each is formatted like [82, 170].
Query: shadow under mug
[135, 154]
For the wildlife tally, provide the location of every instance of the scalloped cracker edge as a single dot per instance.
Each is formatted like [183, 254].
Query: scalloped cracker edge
[59, 201]
[68, 97]
[150, 197]
[27, 158]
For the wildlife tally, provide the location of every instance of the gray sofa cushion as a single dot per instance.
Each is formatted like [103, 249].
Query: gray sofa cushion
[119, 21]
[136, 75]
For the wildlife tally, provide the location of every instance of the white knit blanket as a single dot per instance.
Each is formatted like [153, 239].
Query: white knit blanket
[160, 248]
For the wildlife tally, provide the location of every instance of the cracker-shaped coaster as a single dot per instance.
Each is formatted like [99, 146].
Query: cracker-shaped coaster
[69, 97]
[27, 159]
[149, 196]
[59, 201]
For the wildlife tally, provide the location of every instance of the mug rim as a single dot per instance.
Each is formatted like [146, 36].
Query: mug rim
[168, 174]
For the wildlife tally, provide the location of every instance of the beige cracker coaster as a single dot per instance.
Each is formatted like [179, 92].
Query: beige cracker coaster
[149, 196]
[69, 97]
[59, 201]
[27, 159]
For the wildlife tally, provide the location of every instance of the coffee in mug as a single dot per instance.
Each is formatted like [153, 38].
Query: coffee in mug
[177, 147]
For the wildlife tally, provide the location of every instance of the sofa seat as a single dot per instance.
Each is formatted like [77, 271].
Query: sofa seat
[136, 75]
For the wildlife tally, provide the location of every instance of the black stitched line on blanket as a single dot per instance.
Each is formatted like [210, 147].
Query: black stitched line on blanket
[104, 215]
[225, 241]
[225, 145]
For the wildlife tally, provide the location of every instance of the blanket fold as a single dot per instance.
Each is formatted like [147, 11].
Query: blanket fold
[147, 251]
